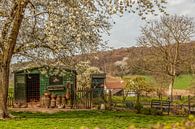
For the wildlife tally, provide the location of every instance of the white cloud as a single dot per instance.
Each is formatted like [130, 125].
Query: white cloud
[127, 28]
[176, 2]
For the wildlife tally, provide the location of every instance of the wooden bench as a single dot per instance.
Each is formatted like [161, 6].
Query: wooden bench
[192, 110]
[161, 105]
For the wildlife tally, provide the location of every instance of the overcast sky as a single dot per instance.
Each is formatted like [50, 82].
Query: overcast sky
[127, 28]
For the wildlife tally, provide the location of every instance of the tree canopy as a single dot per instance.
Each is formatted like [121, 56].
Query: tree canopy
[166, 39]
[48, 31]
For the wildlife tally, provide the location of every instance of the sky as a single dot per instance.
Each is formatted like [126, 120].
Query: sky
[127, 28]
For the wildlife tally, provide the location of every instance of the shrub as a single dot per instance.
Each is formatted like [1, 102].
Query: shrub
[177, 110]
[138, 107]
[146, 111]
[129, 104]
[155, 111]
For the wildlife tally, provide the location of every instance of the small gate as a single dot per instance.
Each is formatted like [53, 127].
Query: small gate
[10, 99]
[84, 98]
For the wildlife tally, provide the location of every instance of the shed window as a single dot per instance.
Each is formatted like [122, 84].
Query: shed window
[55, 80]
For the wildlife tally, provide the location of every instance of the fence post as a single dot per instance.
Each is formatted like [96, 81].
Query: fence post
[92, 92]
[10, 99]
[110, 99]
[189, 105]
[90, 98]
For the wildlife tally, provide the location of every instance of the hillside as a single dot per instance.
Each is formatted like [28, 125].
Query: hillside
[107, 60]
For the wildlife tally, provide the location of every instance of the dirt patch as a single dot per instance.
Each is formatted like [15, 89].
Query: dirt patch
[44, 110]
[181, 92]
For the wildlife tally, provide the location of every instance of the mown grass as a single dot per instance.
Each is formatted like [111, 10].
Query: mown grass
[91, 119]
[184, 81]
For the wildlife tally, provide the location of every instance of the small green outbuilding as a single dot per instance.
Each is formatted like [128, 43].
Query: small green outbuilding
[30, 84]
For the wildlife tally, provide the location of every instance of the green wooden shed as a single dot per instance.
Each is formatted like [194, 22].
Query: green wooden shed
[98, 82]
[30, 84]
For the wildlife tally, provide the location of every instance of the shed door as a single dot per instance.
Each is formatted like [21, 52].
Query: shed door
[20, 88]
[33, 87]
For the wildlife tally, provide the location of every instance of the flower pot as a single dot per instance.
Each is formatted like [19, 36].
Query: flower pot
[47, 102]
[63, 100]
[102, 107]
[58, 100]
[53, 103]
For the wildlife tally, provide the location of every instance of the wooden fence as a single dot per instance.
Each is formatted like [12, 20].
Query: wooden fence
[84, 98]
[10, 99]
[189, 105]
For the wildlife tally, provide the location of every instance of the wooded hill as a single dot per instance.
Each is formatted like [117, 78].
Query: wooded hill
[130, 60]
[126, 60]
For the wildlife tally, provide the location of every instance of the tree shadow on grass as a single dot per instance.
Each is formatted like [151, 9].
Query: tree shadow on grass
[93, 118]
[95, 114]
[69, 114]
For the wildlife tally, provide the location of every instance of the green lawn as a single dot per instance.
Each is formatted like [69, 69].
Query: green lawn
[91, 119]
[182, 82]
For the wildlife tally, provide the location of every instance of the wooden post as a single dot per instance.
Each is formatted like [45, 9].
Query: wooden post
[169, 107]
[123, 95]
[110, 99]
[189, 105]
[88, 98]
[161, 105]
[92, 96]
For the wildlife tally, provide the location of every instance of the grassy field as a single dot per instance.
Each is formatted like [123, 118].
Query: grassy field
[184, 81]
[181, 82]
[91, 119]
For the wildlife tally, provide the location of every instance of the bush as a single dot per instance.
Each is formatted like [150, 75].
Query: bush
[129, 104]
[138, 107]
[146, 111]
[155, 111]
[98, 101]
[151, 111]
[177, 110]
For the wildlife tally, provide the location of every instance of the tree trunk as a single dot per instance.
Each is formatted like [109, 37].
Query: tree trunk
[4, 84]
[138, 104]
[18, 12]
[138, 98]
[171, 88]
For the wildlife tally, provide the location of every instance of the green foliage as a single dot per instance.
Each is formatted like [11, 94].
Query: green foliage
[138, 107]
[146, 111]
[90, 119]
[138, 84]
[129, 104]
[98, 101]
[11, 90]
[184, 81]
[186, 124]
[155, 112]
[151, 111]
[84, 71]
